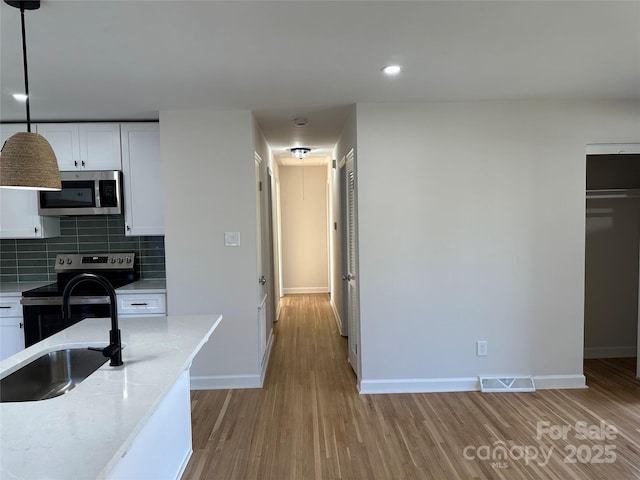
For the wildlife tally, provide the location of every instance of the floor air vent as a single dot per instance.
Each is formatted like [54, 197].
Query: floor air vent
[507, 384]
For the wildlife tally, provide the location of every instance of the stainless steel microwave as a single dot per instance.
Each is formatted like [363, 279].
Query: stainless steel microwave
[84, 193]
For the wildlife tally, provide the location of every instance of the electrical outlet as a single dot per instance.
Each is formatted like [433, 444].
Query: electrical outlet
[481, 348]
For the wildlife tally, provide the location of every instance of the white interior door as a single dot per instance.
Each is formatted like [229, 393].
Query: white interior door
[351, 275]
[262, 280]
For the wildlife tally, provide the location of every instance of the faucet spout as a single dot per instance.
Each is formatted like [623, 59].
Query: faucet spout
[114, 349]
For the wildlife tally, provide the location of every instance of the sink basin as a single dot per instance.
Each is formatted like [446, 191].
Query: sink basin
[50, 375]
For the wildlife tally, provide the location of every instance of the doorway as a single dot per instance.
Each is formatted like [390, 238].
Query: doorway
[612, 245]
[316, 233]
[304, 221]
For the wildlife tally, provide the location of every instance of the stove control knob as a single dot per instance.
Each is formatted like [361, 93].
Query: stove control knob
[113, 260]
[69, 261]
[61, 261]
[120, 260]
[127, 259]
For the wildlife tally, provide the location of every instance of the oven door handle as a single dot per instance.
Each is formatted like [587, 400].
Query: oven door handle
[78, 300]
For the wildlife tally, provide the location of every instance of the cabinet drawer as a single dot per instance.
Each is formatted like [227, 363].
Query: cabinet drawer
[142, 304]
[10, 307]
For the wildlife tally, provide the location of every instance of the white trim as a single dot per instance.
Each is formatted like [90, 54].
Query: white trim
[267, 356]
[420, 385]
[460, 384]
[612, 148]
[610, 352]
[304, 290]
[278, 308]
[555, 382]
[223, 382]
[337, 318]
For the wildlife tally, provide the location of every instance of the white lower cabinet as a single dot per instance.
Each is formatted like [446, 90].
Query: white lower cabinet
[11, 326]
[141, 304]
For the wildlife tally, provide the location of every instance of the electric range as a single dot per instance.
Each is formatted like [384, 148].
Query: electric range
[42, 307]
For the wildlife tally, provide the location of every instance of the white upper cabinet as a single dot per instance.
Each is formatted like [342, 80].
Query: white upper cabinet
[143, 193]
[84, 146]
[19, 208]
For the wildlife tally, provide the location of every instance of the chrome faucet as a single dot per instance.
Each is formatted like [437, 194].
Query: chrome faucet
[114, 349]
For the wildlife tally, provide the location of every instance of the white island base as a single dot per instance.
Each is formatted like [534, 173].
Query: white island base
[163, 448]
[128, 422]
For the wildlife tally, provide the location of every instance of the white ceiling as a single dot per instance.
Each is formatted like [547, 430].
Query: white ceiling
[119, 60]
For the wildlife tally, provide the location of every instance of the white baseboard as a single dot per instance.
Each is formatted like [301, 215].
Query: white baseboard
[461, 384]
[337, 317]
[265, 364]
[278, 308]
[610, 352]
[223, 382]
[559, 382]
[420, 385]
[303, 290]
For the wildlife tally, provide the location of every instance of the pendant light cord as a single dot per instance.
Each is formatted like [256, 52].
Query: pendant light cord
[24, 59]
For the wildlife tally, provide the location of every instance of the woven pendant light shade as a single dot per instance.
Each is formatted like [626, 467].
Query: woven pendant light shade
[27, 161]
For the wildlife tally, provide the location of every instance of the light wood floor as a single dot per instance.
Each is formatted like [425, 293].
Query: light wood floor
[309, 422]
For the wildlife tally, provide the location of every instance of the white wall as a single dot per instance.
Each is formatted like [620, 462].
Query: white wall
[303, 192]
[472, 227]
[208, 172]
[611, 277]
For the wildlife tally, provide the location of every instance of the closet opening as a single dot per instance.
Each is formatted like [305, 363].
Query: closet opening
[612, 259]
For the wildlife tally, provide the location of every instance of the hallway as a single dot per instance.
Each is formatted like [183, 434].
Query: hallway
[309, 422]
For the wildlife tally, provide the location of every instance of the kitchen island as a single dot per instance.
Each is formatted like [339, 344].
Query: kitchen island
[120, 422]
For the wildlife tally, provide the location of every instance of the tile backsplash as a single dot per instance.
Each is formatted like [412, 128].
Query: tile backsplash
[34, 260]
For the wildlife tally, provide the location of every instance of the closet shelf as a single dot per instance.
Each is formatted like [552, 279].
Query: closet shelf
[613, 193]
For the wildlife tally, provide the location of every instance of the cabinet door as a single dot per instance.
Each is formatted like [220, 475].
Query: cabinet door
[11, 336]
[84, 146]
[19, 208]
[143, 192]
[64, 139]
[100, 146]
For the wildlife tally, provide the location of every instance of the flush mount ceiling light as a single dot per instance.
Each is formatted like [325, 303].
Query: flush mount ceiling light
[300, 152]
[27, 160]
[392, 70]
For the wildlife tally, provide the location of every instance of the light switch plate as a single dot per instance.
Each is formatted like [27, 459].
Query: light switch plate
[231, 239]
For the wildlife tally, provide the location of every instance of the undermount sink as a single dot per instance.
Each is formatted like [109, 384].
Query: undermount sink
[50, 375]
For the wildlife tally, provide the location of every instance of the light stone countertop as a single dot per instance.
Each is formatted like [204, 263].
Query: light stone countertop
[84, 433]
[144, 286]
[15, 289]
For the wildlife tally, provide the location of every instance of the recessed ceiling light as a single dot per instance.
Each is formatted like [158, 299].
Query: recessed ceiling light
[392, 69]
[21, 97]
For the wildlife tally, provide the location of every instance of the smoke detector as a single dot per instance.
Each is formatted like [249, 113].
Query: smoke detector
[300, 122]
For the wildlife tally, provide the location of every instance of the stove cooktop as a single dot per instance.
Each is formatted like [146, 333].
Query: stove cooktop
[56, 289]
[117, 268]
